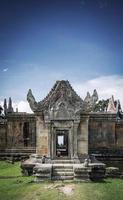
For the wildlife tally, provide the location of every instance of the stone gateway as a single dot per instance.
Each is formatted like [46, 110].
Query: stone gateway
[59, 121]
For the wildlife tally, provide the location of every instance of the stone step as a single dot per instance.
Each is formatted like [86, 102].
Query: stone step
[63, 166]
[62, 161]
[62, 178]
[63, 169]
[63, 173]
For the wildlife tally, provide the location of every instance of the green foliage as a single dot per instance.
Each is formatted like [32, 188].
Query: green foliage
[23, 188]
[101, 105]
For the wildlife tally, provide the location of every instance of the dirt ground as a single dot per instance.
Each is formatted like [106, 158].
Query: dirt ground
[67, 189]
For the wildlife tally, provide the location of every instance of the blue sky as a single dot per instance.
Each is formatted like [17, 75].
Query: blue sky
[42, 41]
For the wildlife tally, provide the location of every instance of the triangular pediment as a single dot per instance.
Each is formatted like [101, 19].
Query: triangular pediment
[62, 102]
[61, 93]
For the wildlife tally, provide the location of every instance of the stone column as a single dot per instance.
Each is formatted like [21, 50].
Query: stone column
[83, 136]
[75, 131]
[51, 141]
[71, 141]
[48, 124]
[42, 136]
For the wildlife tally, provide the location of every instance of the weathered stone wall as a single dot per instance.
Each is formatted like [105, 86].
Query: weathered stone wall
[119, 134]
[95, 131]
[32, 131]
[102, 131]
[3, 136]
[15, 130]
[14, 134]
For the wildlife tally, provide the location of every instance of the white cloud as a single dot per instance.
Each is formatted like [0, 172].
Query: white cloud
[5, 69]
[22, 106]
[105, 86]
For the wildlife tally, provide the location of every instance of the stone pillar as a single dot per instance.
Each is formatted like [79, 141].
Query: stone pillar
[75, 131]
[42, 137]
[71, 141]
[83, 135]
[49, 138]
[51, 141]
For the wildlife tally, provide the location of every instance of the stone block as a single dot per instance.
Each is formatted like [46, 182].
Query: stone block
[42, 172]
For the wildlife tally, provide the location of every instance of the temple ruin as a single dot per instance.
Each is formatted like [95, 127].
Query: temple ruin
[63, 126]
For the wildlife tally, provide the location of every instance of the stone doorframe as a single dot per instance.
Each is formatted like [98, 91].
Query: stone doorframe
[71, 127]
[54, 142]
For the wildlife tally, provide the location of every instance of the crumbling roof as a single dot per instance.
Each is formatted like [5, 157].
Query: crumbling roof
[61, 89]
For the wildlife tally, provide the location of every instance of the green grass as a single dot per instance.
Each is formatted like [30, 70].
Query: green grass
[8, 169]
[23, 188]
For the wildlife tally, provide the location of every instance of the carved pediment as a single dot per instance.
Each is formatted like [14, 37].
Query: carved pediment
[61, 102]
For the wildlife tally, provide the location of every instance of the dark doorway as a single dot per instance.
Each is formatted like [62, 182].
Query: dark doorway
[61, 143]
[26, 134]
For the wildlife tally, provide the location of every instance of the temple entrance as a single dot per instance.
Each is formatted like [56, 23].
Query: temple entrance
[62, 143]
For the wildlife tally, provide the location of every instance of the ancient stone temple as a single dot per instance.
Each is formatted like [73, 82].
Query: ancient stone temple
[64, 128]
[61, 130]
[62, 125]
[67, 126]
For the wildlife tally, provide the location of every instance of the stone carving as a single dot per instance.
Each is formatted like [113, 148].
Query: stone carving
[31, 100]
[5, 107]
[62, 91]
[94, 97]
[113, 106]
[61, 111]
[61, 102]
[10, 108]
[90, 101]
[87, 98]
[86, 162]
